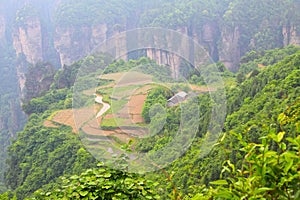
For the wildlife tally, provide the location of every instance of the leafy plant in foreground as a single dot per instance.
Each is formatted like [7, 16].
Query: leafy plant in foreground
[102, 183]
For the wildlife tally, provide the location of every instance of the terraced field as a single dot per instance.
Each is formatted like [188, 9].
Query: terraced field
[116, 117]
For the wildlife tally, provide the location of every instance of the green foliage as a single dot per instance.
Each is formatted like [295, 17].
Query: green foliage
[8, 196]
[41, 155]
[252, 108]
[74, 13]
[266, 172]
[143, 65]
[262, 102]
[65, 77]
[11, 117]
[269, 168]
[37, 157]
[253, 59]
[84, 70]
[158, 95]
[259, 23]
[102, 183]
[54, 100]
[175, 14]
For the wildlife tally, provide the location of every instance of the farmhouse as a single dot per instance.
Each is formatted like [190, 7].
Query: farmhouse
[177, 98]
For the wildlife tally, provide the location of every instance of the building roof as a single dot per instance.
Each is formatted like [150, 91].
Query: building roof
[177, 98]
[181, 94]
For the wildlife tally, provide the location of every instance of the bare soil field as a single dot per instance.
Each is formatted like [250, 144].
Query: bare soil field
[136, 102]
[50, 124]
[202, 88]
[132, 111]
[72, 118]
[65, 117]
[135, 106]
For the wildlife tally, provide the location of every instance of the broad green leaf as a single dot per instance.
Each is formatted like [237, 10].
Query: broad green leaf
[262, 190]
[219, 182]
[280, 136]
[83, 193]
[107, 175]
[288, 165]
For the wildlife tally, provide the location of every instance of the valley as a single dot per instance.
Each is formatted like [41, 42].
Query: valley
[161, 99]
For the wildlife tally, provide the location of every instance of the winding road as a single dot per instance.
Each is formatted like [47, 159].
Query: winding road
[106, 106]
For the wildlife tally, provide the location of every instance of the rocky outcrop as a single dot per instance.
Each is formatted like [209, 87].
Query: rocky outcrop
[291, 35]
[229, 48]
[99, 34]
[165, 58]
[27, 40]
[73, 43]
[21, 77]
[120, 43]
[209, 38]
[38, 80]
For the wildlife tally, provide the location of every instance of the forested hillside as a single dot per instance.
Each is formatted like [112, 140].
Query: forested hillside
[12, 118]
[262, 118]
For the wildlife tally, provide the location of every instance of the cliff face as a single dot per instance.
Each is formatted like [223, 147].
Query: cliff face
[291, 35]
[68, 43]
[230, 53]
[74, 43]
[221, 45]
[27, 40]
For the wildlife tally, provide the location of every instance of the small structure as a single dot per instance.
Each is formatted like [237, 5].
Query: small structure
[177, 98]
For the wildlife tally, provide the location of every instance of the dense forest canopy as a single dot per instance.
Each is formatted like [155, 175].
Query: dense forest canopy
[255, 48]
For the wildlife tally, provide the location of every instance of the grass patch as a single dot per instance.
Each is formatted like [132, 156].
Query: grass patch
[50, 118]
[117, 140]
[112, 123]
[116, 106]
[126, 77]
[125, 91]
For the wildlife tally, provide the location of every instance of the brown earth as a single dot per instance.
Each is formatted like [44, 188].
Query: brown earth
[136, 103]
[133, 109]
[50, 124]
[72, 118]
[135, 106]
[85, 118]
[202, 88]
[65, 117]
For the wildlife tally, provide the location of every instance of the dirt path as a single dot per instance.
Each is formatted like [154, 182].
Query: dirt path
[106, 106]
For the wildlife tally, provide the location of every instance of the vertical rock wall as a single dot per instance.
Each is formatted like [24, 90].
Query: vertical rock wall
[229, 48]
[27, 40]
[70, 43]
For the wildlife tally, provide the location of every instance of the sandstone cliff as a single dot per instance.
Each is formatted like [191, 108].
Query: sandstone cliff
[73, 43]
[68, 43]
[291, 35]
[27, 40]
